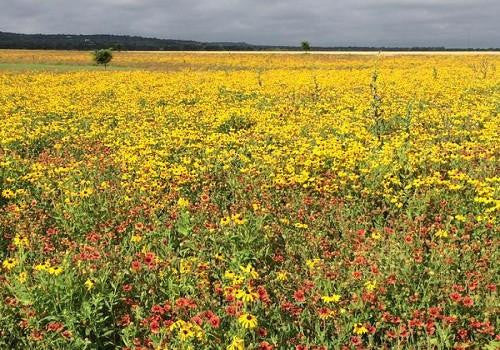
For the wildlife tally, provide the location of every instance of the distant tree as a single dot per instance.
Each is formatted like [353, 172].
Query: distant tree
[117, 47]
[103, 56]
[305, 46]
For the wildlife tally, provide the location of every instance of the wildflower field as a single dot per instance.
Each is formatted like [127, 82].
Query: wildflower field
[238, 201]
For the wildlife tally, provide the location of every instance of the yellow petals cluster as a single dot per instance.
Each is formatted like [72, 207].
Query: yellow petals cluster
[236, 344]
[248, 321]
[441, 233]
[246, 296]
[359, 329]
[334, 298]
[9, 263]
[47, 267]
[89, 284]
[187, 330]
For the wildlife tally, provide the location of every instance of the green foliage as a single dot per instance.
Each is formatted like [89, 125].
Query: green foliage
[234, 124]
[305, 46]
[103, 56]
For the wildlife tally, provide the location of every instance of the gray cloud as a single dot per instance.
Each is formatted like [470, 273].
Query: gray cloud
[451, 23]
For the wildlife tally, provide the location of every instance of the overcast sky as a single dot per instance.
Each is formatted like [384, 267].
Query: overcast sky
[451, 23]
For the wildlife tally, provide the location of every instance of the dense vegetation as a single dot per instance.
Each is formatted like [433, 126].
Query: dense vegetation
[250, 202]
[126, 42]
[118, 42]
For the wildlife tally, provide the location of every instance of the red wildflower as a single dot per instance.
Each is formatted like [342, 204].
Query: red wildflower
[308, 285]
[430, 327]
[265, 346]
[157, 309]
[388, 230]
[391, 334]
[278, 258]
[197, 319]
[450, 319]
[403, 331]
[468, 301]
[356, 341]
[67, 334]
[456, 297]
[391, 280]
[299, 296]
[54, 326]
[262, 332]
[149, 260]
[166, 307]
[231, 310]
[208, 314]
[154, 326]
[458, 288]
[435, 311]
[473, 285]
[136, 265]
[491, 287]
[185, 303]
[124, 321]
[462, 334]
[214, 321]
[36, 335]
[263, 296]
[357, 275]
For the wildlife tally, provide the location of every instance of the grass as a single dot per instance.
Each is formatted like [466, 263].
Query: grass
[56, 67]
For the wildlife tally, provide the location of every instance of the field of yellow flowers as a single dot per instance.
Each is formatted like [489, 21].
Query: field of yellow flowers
[238, 201]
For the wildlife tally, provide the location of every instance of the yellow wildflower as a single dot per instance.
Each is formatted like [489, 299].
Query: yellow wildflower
[248, 321]
[56, 271]
[9, 263]
[89, 284]
[246, 296]
[236, 344]
[23, 276]
[370, 285]
[225, 221]
[334, 298]
[311, 263]
[42, 267]
[249, 271]
[182, 202]
[136, 238]
[229, 275]
[441, 234]
[86, 192]
[238, 220]
[281, 276]
[359, 329]
[8, 194]
[20, 241]
[185, 333]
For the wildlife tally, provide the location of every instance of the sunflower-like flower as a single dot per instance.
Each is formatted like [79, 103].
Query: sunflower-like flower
[248, 321]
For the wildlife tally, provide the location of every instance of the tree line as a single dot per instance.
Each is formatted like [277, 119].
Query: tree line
[137, 43]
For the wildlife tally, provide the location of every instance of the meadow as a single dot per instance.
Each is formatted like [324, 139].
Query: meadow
[239, 201]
